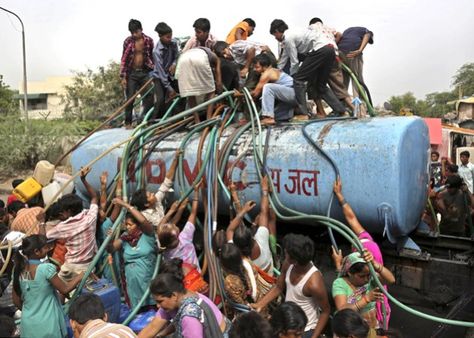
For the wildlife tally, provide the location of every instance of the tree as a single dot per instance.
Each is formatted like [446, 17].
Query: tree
[407, 100]
[437, 103]
[464, 79]
[94, 95]
[8, 104]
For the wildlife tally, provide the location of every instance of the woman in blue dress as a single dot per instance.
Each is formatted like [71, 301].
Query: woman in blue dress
[139, 250]
[34, 290]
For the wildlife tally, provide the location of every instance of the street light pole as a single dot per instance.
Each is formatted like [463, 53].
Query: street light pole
[25, 86]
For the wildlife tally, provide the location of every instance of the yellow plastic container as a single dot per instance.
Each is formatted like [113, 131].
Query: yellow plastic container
[44, 172]
[27, 190]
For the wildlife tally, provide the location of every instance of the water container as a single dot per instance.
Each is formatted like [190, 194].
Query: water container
[124, 312]
[142, 320]
[62, 179]
[110, 296]
[27, 190]
[44, 172]
[50, 191]
[382, 161]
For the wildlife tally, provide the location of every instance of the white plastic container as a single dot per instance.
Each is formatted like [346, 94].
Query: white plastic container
[44, 172]
[62, 179]
[50, 191]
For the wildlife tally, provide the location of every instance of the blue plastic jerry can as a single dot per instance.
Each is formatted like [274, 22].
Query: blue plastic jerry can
[142, 320]
[110, 296]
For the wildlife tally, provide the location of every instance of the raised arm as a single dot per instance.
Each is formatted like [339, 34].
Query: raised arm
[90, 191]
[145, 224]
[264, 208]
[249, 205]
[194, 206]
[167, 217]
[385, 275]
[179, 213]
[235, 197]
[349, 214]
[171, 171]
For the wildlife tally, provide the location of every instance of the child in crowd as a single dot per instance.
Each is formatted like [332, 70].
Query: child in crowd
[288, 321]
[139, 252]
[179, 244]
[15, 183]
[34, 290]
[255, 245]
[250, 325]
[303, 284]
[190, 275]
[151, 205]
[240, 284]
[78, 229]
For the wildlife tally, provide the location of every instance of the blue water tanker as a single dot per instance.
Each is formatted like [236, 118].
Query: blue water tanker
[383, 163]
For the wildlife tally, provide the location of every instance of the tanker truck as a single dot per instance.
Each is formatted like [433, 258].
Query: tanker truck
[383, 164]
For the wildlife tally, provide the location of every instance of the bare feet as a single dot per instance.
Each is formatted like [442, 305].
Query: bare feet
[128, 126]
[267, 121]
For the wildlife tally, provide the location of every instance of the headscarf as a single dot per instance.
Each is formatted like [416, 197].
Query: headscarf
[132, 237]
[349, 261]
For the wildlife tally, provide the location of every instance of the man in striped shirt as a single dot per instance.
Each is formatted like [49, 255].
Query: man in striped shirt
[78, 229]
[89, 320]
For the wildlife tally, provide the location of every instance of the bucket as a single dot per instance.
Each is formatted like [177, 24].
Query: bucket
[27, 190]
[62, 179]
[44, 172]
[50, 191]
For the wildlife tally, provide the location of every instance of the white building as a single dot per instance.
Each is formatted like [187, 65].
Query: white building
[44, 97]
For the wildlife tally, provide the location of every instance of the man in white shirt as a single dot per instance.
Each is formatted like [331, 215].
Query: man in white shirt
[466, 170]
[317, 53]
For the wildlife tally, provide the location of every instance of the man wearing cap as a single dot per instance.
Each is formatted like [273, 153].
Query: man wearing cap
[351, 46]
[454, 205]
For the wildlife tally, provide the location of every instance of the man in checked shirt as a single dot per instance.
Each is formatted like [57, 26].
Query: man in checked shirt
[135, 66]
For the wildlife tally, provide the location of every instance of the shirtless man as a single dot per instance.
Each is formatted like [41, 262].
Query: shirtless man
[135, 66]
[274, 84]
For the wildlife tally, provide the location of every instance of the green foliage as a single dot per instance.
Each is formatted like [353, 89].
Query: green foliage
[8, 105]
[437, 103]
[464, 80]
[94, 94]
[434, 104]
[22, 148]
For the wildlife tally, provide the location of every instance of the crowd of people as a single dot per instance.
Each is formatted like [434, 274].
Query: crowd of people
[308, 65]
[58, 247]
[451, 189]
[255, 299]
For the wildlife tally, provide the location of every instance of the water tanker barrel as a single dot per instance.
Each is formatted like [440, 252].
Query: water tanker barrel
[382, 163]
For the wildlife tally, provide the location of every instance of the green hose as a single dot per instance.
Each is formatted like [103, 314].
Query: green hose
[348, 234]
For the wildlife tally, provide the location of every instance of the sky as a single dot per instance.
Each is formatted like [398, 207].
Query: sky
[418, 45]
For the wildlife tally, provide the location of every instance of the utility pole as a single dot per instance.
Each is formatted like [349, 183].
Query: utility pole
[25, 85]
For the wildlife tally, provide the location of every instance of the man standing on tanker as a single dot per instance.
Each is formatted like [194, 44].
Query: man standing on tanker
[135, 66]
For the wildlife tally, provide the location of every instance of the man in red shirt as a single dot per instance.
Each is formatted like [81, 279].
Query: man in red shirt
[135, 66]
